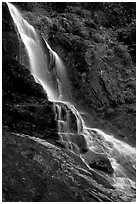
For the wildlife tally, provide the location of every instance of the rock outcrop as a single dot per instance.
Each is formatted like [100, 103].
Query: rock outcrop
[35, 170]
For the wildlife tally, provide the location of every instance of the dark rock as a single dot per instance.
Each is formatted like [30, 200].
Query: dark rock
[10, 41]
[98, 161]
[32, 119]
[36, 171]
[18, 82]
[102, 163]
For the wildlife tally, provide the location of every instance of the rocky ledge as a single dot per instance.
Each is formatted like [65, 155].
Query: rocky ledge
[35, 170]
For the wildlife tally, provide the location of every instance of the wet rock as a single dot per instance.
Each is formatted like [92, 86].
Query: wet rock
[98, 161]
[102, 164]
[35, 170]
[67, 118]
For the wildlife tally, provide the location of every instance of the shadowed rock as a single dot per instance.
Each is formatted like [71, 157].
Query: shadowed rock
[102, 163]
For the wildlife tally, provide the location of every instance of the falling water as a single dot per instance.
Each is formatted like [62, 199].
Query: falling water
[54, 80]
[92, 145]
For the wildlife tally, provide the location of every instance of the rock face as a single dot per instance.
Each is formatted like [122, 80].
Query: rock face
[37, 171]
[102, 163]
[36, 166]
[26, 108]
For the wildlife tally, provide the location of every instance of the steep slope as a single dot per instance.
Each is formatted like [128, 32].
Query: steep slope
[37, 171]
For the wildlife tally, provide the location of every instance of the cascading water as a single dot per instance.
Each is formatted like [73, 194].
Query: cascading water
[92, 145]
[53, 81]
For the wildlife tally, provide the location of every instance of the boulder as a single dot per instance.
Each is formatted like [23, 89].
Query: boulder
[98, 161]
[103, 164]
[36, 171]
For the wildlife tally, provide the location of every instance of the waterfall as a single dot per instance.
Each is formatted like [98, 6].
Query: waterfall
[54, 79]
[111, 157]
